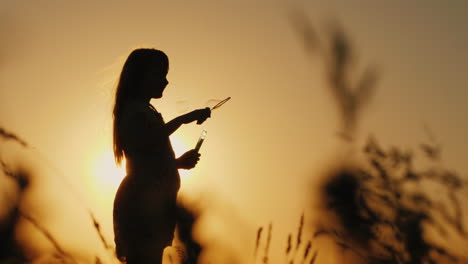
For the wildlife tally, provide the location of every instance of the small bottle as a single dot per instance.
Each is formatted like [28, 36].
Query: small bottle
[200, 140]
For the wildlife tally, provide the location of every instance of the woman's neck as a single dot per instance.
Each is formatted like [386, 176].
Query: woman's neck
[142, 100]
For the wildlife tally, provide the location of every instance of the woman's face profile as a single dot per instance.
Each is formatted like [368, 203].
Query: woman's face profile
[155, 82]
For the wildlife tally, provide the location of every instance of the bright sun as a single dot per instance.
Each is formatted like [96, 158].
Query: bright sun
[107, 175]
[106, 172]
[180, 147]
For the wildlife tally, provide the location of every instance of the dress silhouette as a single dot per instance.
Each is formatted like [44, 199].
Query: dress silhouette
[145, 203]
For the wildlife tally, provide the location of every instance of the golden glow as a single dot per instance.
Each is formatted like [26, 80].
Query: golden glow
[278, 131]
[106, 175]
[106, 172]
[180, 147]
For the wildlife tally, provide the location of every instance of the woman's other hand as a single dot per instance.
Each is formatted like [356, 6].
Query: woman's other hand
[188, 160]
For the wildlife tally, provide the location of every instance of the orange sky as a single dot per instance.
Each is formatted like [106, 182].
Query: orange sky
[60, 60]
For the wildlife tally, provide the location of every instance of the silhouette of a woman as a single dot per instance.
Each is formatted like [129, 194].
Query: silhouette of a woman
[145, 203]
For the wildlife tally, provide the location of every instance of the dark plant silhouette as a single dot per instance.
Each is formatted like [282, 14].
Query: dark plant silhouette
[21, 177]
[257, 241]
[11, 136]
[296, 250]
[378, 212]
[351, 92]
[186, 217]
[267, 245]
[61, 253]
[10, 250]
[380, 218]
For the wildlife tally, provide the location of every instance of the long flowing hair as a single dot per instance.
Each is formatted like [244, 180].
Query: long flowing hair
[130, 86]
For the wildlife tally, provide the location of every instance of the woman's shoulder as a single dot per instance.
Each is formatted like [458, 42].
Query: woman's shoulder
[135, 107]
[140, 111]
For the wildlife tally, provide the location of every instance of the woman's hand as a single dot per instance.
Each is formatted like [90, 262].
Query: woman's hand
[200, 115]
[188, 160]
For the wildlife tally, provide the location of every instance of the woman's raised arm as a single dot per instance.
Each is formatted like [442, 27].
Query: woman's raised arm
[200, 115]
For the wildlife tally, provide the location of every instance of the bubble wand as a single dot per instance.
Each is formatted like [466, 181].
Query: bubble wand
[218, 105]
[203, 134]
